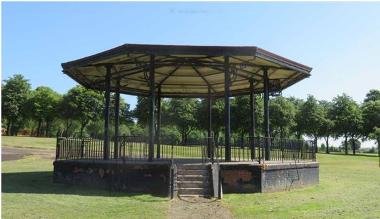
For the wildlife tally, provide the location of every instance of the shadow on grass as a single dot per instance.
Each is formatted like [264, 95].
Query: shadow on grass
[42, 183]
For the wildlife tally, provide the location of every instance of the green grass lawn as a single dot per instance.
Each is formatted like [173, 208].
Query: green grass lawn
[28, 192]
[349, 188]
[28, 142]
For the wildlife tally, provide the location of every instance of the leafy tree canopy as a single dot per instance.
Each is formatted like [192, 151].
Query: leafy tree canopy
[14, 93]
[282, 113]
[372, 95]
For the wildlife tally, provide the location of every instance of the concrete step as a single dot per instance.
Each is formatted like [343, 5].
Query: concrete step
[193, 167]
[192, 172]
[193, 191]
[195, 196]
[193, 184]
[181, 178]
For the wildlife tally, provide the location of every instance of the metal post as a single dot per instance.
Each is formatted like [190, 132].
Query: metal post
[106, 143]
[266, 115]
[151, 109]
[252, 100]
[227, 110]
[117, 109]
[209, 101]
[158, 131]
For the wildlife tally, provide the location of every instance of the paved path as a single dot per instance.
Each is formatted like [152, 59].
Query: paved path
[13, 153]
[198, 208]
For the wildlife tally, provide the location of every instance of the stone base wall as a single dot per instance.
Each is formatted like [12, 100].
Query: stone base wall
[130, 177]
[242, 178]
[154, 178]
[249, 178]
[282, 177]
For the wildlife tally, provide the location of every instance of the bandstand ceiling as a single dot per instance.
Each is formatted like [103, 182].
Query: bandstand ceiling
[186, 71]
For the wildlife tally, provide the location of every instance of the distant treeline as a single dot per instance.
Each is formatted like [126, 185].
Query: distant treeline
[44, 112]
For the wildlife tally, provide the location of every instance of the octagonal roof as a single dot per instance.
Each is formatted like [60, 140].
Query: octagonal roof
[186, 71]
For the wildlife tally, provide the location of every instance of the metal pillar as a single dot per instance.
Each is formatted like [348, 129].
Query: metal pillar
[117, 118]
[151, 109]
[266, 115]
[227, 109]
[209, 102]
[158, 130]
[106, 142]
[252, 102]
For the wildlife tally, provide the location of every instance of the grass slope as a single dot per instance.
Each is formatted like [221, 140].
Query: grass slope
[28, 192]
[28, 142]
[349, 188]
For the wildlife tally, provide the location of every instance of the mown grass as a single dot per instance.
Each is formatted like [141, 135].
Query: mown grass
[349, 188]
[28, 192]
[28, 142]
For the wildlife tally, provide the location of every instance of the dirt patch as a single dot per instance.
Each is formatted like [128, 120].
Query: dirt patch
[13, 153]
[197, 207]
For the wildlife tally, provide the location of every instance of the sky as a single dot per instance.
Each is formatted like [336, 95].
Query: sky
[340, 41]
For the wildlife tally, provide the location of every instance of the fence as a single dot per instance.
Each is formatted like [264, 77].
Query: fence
[79, 148]
[254, 149]
[137, 147]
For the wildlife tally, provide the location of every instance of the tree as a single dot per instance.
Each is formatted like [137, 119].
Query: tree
[327, 124]
[311, 117]
[371, 116]
[355, 144]
[372, 95]
[67, 112]
[217, 112]
[82, 104]
[298, 126]
[141, 111]
[182, 115]
[240, 115]
[282, 114]
[125, 114]
[43, 105]
[347, 118]
[14, 93]
[375, 135]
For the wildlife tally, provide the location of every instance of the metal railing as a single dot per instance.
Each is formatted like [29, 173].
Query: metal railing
[79, 148]
[137, 148]
[133, 147]
[184, 150]
[253, 149]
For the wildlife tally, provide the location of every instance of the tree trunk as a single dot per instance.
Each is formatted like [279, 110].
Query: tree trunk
[242, 139]
[66, 131]
[47, 129]
[327, 145]
[216, 136]
[39, 128]
[353, 146]
[183, 137]
[316, 144]
[378, 148]
[9, 125]
[345, 145]
[81, 129]
[31, 131]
